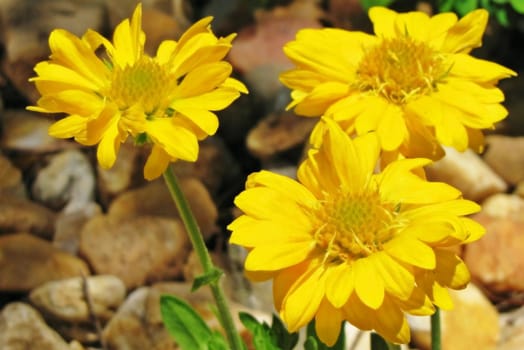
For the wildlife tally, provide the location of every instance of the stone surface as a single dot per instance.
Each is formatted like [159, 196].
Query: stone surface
[467, 172]
[503, 205]
[138, 250]
[68, 226]
[22, 328]
[65, 299]
[27, 261]
[473, 323]
[512, 330]
[10, 179]
[496, 259]
[279, 132]
[67, 182]
[154, 199]
[28, 133]
[21, 215]
[505, 155]
[26, 25]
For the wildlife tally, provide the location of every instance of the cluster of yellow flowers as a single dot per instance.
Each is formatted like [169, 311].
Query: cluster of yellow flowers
[345, 241]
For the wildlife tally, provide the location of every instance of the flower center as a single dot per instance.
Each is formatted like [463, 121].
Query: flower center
[144, 83]
[354, 226]
[400, 69]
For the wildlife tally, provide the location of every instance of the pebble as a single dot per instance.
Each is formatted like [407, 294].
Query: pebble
[22, 215]
[505, 155]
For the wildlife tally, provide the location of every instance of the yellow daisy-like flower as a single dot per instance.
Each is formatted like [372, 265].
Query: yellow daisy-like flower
[345, 243]
[413, 82]
[166, 100]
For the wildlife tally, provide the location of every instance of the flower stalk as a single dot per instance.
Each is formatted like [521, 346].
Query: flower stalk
[435, 330]
[224, 314]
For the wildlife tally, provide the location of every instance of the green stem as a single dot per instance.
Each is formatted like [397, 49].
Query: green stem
[435, 330]
[200, 248]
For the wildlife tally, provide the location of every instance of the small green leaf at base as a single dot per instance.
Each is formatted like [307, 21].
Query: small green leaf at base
[378, 343]
[314, 343]
[187, 327]
[208, 278]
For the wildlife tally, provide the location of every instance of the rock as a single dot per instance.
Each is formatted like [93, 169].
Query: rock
[65, 300]
[467, 172]
[512, 330]
[67, 182]
[503, 206]
[10, 179]
[27, 261]
[138, 323]
[68, 226]
[505, 155]
[21, 215]
[159, 26]
[26, 25]
[215, 167]
[155, 247]
[126, 173]
[278, 133]
[154, 199]
[496, 259]
[473, 323]
[28, 133]
[22, 328]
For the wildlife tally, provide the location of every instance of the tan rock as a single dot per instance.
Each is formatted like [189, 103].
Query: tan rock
[467, 172]
[512, 330]
[505, 155]
[496, 259]
[154, 199]
[138, 250]
[28, 133]
[27, 261]
[473, 323]
[65, 300]
[10, 179]
[279, 132]
[22, 328]
[21, 215]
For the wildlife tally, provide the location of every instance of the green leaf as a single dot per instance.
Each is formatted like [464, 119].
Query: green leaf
[502, 16]
[284, 339]
[205, 279]
[311, 343]
[378, 343]
[518, 5]
[465, 6]
[339, 345]
[445, 5]
[183, 323]
[262, 335]
[367, 4]
[217, 342]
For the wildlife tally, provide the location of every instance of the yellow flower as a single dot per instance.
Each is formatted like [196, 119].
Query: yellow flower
[166, 100]
[413, 82]
[345, 243]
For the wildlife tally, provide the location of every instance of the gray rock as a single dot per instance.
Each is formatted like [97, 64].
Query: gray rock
[22, 328]
[66, 300]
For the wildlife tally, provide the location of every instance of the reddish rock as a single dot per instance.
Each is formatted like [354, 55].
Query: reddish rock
[496, 260]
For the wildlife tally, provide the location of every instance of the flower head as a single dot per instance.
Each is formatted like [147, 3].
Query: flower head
[413, 82]
[345, 243]
[166, 100]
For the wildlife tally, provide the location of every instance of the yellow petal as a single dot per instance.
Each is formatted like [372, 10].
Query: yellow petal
[69, 126]
[467, 33]
[414, 24]
[340, 282]
[368, 285]
[156, 163]
[128, 40]
[176, 141]
[391, 323]
[204, 79]
[328, 323]
[451, 271]
[50, 72]
[321, 97]
[302, 302]
[411, 251]
[400, 185]
[481, 71]
[285, 279]
[203, 119]
[392, 129]
[383, 21]
[398, 281]
[474, 230]
[109, 145]
[270, 258]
